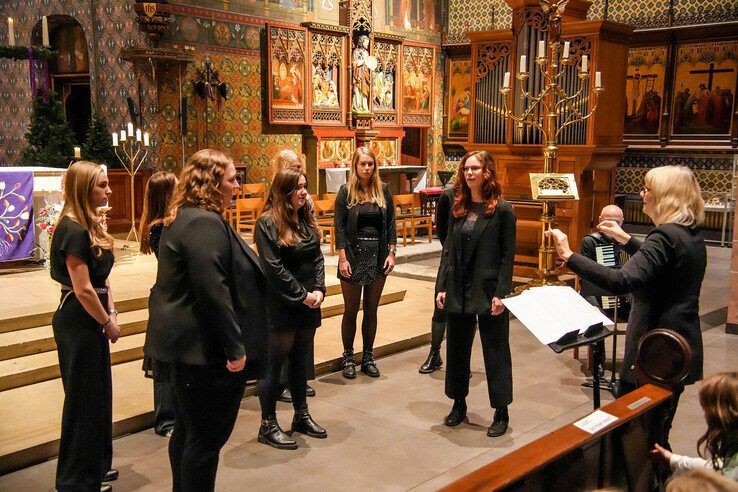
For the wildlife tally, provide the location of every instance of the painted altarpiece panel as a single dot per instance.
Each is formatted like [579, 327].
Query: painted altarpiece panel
[327, 78]
[385, 150]
[644, 91]
[458, 100]
[417, 85]
[335, 152]
[286, 74]
[704, 88]
[385, 76]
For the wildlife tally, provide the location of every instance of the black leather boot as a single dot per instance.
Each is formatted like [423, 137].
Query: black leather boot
[304, 424]
[285, 395]
[368, 366]
[499, 423]
[432, 363]
[272, 434]
[349, 365]
[457, 414]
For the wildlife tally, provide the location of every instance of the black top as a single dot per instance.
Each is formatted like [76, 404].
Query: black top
[664, 274]
[154, 236]
[70, 238]
[370, 221]
[292, 272]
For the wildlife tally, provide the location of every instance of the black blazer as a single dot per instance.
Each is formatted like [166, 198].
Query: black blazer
[444, 207]
[346, 221]
[471, 286]
[664, 274]
[292, 272]
[208, 304]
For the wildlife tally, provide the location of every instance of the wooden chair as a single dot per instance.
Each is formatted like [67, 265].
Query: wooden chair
[409, 219]
[247, 211]
[253, 190]
[329, 196]
[324, 209]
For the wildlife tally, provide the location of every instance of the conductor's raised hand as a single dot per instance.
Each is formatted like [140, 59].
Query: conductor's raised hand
[561, 243]
[613, 229]
[497, 306]
[441, 300]
[236, 365]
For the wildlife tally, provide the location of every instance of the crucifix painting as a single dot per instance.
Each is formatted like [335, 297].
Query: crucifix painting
[704, 88]
[644, 90]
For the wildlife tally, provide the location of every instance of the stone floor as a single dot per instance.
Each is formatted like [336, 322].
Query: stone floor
[387, 434]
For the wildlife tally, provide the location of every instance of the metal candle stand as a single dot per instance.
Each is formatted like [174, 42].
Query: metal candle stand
[131, 151]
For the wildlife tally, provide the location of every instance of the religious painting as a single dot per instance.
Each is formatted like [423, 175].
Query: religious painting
[326, 63]
[385, 150]
[703, 88]
[459, 98]
[325, 87]
[415, 14]
[336, 152]
[69, 41]
[644, 90]
[286, 75]
[417, 87]
[383, 95]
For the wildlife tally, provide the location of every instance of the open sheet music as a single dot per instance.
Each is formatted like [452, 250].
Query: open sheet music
[552, 312]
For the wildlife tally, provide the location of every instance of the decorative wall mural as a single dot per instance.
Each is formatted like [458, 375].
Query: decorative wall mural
[286, 74]
[383, 97]
[336, 152]
[459, 98]
[644, 90]
[704, 84]
[415, 14]
[385, 150]
[417, 79]
[326, 53]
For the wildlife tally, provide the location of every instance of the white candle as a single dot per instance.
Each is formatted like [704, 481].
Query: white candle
[506, 80]
[541, 49]
[585, 63]
[138, 134]
[11, 31]
[598, 79]
[45, 31]
[123, 136]
[130, 128]
[115, 139]
[146, 139]
[566, 49]
[77, 153]
[523, 64]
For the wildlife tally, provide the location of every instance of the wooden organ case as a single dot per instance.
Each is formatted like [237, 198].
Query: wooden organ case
[590, 149]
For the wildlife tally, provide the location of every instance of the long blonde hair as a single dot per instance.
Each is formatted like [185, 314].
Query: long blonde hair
[199, 185]
[355, 194]
[676, 196]
[79, 181]
[279, 207]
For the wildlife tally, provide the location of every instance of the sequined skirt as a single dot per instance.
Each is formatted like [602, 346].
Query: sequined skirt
[365, 269]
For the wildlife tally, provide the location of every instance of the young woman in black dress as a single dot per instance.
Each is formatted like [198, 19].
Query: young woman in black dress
[84, 324]
[158, 194]
[366, 242]
[289, 250]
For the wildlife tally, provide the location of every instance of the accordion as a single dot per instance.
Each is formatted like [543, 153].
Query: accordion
[605, 255]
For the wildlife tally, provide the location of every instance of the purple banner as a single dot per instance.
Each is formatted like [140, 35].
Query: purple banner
[16, 215]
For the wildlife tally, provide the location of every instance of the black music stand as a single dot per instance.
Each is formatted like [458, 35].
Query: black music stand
[610, 385]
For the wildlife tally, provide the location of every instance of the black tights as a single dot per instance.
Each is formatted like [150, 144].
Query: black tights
[351, 300]
[292, 346]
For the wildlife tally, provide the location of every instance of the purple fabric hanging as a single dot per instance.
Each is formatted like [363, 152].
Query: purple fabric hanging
[16, 215]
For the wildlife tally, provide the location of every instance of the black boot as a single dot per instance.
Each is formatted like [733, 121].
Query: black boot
[368, 366]
[499, 423]
[432, 363]
[285, 395]
[457, 414]
[304, 424]
[272, 434]
[349, 365]
[310, 391]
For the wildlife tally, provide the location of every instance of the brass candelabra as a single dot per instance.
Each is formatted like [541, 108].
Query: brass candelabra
[131, 150]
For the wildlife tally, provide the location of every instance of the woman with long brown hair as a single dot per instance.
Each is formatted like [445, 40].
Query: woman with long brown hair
[207, 325]
[289, 250]
[475, 274]
[366, 241]
[84, 324]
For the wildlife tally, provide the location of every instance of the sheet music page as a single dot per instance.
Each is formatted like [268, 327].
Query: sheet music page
[551, 312]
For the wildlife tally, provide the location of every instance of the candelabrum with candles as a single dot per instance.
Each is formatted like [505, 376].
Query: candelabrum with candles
[131, 149]
[553, 60]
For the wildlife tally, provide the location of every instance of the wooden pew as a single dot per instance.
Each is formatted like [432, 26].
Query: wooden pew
[572, 459]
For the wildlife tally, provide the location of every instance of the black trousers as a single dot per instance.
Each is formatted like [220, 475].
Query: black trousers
[86, 445]
[163, 407]
[205, 413]
[292, 346]
[284, 377]
[495, 334]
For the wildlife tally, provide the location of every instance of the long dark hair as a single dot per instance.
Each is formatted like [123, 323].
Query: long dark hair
[279, 207]
[158, 194]
[491, 190]
[719, 400]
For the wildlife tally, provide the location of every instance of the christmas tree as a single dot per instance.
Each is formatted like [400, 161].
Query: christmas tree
[50, 139]
[98, 147]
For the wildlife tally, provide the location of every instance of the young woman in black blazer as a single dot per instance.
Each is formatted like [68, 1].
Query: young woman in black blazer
[84, 324]
[475, 274]
[664, 273]
[289, 250]
[207, 324]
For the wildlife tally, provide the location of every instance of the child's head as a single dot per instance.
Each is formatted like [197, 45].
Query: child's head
[719, 400]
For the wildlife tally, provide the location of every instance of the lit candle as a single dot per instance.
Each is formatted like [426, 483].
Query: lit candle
[523, 64]
[77, 153]
[115, 139]
[541, 49]
[598, 79]
[45, 31]
[123, 136]
[506, 80]
[138, 134]
[146, 139]
[130, 128]
[566, 49]
[585, 63]
[11, 31]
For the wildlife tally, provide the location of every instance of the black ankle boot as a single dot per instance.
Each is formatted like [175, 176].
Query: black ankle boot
[432, 363]
[349, 365]
[285, 395]
[499, 423]
[272, 434]
[457, 414]
[368, 366]
[304, 424]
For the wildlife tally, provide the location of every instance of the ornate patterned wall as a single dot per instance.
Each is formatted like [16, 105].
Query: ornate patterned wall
[475, 15]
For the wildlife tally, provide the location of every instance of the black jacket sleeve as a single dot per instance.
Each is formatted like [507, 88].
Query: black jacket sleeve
[508, 232]
[632, 246]
[320, 270]
[648, 262]
[209, 265]
[443, 215]
[445, 259]
[340, 217]
[281, 279]
[390, 211]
